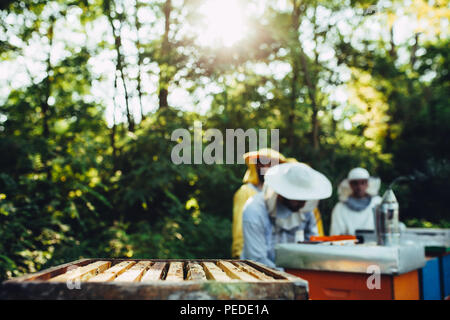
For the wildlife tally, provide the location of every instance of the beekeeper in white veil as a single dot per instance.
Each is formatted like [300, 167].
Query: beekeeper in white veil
[283, 211]
[358, 195]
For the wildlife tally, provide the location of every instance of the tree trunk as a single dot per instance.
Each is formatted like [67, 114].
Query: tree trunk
[315, 129]
[138, 46]
[295, 73]
[45, 106]
[163, 76]
[314, 105]
[392, 51]
[114, 128]
[414, 50]
[300, 62]
[120, 66]
[312, 89]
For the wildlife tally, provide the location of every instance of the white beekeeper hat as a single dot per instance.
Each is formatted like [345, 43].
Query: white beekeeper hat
[297, 181]
[344, 189]
[358, 174]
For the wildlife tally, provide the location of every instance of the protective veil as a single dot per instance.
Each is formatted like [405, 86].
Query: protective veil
[351, 214]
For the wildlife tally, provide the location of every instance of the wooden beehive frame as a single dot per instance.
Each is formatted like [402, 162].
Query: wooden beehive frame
[157, 279]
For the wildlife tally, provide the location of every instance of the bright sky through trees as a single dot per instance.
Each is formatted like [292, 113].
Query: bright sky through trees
[225, 23]
[222, 24]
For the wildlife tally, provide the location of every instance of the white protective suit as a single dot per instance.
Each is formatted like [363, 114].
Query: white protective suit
[347, 221]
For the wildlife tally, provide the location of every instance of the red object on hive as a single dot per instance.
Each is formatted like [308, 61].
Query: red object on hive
[332, 238]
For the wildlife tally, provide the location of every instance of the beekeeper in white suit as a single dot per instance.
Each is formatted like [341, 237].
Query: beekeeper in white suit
[358, 195]
[283, 211]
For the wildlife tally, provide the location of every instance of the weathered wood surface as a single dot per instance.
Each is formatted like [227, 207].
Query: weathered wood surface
[234, 272]
[276, 274]
[52, 272]
[154, 273]
[113, 272]
[175, 272]
[83, 273]
[134, 273]
[195, 272]
[252, 271]
[213, 272]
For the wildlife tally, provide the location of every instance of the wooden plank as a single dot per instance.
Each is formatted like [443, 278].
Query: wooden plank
[83, 273]
[113, 272]
[276, 274]
[154, 273]
[195, 272]
[175, 272]
[252, 271]
[135, 273]
[234, 272]
[213, 272]
[51, 272]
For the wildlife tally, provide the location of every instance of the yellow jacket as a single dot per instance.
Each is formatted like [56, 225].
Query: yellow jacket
[248, 190]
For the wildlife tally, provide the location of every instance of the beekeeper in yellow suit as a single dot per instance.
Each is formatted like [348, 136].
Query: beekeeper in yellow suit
[253, 181]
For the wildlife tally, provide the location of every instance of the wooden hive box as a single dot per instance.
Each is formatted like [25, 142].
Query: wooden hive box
[157, 279]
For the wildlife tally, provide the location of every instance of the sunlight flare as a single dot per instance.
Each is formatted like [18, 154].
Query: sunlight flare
[224, 23]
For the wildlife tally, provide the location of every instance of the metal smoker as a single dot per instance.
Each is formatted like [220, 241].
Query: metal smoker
[387, 228]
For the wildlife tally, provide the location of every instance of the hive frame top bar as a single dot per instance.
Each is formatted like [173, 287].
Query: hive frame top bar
[47, 274]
